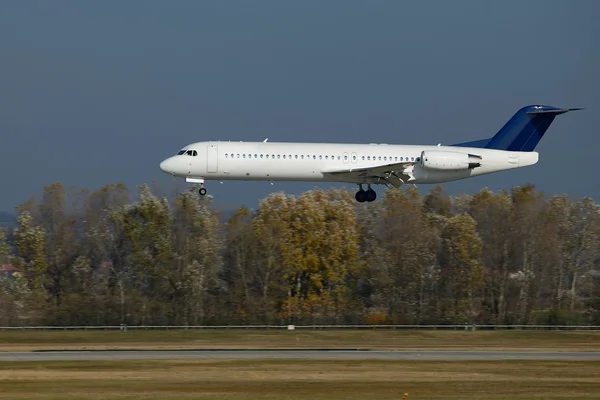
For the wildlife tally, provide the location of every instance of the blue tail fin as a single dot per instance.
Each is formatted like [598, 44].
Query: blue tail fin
[523, 131]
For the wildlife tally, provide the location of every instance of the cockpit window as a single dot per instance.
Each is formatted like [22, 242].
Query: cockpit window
[192, 153]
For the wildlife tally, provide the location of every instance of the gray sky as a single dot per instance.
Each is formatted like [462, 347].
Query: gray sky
[98, 92]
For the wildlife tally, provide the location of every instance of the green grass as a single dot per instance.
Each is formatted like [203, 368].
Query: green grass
[248, 339]
[302, 379]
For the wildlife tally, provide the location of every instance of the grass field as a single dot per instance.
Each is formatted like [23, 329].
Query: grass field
[248, 339]
[300, 379]
[252, 379]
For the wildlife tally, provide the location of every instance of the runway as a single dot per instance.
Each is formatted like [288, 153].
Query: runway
[299, 355]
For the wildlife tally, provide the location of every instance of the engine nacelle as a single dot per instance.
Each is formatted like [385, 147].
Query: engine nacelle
[449, 160]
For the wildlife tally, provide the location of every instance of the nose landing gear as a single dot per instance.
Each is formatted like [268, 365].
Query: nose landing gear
[368, 195]
[202, 190]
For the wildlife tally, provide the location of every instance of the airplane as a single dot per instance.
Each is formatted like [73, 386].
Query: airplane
[366, 164]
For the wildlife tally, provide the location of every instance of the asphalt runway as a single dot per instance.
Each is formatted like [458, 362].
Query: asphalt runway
[299, 355]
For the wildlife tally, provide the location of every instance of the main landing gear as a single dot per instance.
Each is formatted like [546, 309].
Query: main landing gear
[368, 195]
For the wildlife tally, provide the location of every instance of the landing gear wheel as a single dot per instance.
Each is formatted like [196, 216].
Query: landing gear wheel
[361, 196]
[202, 191]
[370, 195]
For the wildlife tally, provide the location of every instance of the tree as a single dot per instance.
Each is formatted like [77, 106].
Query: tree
[27, 293]
[527, 205]
[492, 213]
[437, 201]
[5, 250]
[405, 242]
[105, 245]
[197, 258]
[239, 266]
[9, 294]
[30, 259]
[148, 232]
[269, 229]
[319, 252]
[462, 273]
[583, 245]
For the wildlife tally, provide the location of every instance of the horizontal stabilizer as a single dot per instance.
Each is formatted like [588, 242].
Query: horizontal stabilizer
[556, 111]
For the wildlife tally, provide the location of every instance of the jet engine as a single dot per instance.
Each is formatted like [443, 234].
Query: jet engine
[449, 160]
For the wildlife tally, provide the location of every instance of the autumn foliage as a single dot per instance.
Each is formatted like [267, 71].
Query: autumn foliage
[81, 257]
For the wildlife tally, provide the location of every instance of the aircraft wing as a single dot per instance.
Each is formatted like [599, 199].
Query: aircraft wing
[395, 174]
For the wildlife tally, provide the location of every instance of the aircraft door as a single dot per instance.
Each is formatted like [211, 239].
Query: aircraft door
[345, 159]
[212, 158]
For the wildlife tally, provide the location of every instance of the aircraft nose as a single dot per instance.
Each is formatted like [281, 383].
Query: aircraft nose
[167, 165]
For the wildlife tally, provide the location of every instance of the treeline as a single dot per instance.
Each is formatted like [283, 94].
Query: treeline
[100, 257]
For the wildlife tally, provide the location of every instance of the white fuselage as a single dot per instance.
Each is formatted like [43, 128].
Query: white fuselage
[277, 161]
